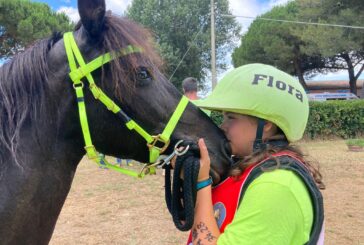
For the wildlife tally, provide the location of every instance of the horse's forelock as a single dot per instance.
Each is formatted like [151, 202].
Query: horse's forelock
[119, 33]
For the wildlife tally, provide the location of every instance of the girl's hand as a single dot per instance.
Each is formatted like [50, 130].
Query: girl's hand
[204, 172]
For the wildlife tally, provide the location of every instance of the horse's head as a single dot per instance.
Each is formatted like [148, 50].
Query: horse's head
[136, 84]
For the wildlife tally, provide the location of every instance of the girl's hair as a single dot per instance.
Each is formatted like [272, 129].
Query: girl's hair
[268, 152]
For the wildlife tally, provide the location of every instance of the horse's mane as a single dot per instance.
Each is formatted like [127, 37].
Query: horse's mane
[23, 79]
[22, 89]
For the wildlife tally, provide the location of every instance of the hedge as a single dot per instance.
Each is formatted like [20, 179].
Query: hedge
[340, 118]
[356, 142]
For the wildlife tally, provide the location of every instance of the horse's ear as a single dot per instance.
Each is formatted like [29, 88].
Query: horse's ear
[92, 13]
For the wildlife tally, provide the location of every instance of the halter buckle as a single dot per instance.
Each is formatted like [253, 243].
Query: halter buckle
[78, 85]
[156, 140]
[147, 169]
[96, 91]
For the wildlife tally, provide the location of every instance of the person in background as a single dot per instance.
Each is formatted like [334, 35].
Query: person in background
[189, 86]
[128, 162]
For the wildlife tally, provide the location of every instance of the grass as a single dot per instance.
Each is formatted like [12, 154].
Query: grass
[357, 142]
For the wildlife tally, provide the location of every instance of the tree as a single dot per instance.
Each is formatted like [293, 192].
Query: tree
[343, 48]
[305, 50]
[277, 44]
[22, 22]
[177, 23]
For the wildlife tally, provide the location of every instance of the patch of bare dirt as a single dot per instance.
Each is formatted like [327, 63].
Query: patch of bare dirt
[105, 207]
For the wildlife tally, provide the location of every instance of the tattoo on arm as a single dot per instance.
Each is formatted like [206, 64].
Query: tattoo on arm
[209, 237]
[194, 234]
[201, 228]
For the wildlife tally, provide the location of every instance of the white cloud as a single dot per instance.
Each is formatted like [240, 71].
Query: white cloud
[251, 8]
[245, 8]
[339, 75]
[71, 12]
[273, 3]
[248, 8]
[117, 6]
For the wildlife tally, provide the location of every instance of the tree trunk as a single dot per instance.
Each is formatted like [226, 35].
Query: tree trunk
[352, 77]
[299, 72]
[359, 72]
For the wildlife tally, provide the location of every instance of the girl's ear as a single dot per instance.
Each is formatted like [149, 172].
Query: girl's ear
[269, 128]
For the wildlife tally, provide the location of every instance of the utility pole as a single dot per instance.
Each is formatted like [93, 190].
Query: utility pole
[213, 48]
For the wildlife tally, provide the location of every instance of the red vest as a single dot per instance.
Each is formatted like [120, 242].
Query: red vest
[226, 195]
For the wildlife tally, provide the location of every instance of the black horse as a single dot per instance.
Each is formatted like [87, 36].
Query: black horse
[41, 141]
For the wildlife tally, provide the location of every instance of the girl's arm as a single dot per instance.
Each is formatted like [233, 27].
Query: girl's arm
[205, 229]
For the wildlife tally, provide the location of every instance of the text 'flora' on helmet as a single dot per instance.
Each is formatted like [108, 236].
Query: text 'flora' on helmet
[262, 91]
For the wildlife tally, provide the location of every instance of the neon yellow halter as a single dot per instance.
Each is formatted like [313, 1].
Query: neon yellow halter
[84, 70]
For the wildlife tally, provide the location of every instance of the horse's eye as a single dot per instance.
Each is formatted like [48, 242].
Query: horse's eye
[143, 74]
[143, 77]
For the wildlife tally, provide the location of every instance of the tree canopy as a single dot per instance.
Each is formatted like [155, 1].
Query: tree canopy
[305, 50]
[180, 26]
[22, 22]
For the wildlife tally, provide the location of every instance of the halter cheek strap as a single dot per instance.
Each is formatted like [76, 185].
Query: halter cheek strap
[157, 144]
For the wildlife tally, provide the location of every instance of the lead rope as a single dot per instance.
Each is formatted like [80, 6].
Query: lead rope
[181, 199]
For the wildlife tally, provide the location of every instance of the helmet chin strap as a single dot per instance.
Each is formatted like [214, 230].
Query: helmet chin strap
[258, 142]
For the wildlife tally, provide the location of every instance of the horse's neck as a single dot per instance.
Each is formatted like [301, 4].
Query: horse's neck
[34, 188]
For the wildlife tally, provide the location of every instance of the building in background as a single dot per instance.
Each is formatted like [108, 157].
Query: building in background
[338, 89]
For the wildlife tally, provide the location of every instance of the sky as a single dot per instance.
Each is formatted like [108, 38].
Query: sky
[238, 7]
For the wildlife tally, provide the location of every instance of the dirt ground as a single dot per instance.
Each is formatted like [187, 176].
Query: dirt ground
[105, 207]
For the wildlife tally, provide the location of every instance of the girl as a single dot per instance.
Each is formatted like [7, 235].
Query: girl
[272, 194]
